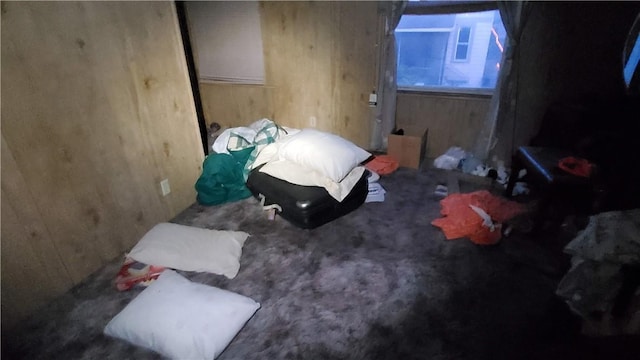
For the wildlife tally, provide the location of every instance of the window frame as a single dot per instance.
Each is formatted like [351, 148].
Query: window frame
[447, 91]
[441, 8]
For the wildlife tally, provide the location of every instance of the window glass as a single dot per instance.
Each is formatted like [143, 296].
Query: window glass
[463, 34]
[450, 51]
[461, 52]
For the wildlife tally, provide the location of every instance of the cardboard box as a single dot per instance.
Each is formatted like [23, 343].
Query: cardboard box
[408, 149]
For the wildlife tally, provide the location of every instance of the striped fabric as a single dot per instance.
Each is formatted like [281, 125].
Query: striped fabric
[237, 142]
[268, 134]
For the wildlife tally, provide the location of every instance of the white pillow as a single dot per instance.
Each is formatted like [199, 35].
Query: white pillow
[181, 319]
[266, 154]
[328, 154]
[191, 249]
[296, 174]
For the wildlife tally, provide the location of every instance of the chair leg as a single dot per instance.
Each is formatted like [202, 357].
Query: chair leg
[516, 166]
[541, 212]
[552, 209]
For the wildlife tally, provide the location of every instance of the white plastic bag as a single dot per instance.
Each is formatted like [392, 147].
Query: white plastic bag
[450, 159]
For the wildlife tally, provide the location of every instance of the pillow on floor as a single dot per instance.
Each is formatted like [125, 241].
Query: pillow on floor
[190, 248]
[181, 319]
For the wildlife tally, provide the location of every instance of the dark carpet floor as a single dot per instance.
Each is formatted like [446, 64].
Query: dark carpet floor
[379, 283]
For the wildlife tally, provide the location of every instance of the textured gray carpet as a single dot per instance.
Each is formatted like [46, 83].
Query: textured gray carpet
[379, 283]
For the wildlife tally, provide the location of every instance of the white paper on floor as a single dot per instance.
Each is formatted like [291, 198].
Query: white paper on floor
[376, 193]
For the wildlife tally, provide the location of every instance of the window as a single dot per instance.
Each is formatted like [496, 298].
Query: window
[462, 45]
[450, 52]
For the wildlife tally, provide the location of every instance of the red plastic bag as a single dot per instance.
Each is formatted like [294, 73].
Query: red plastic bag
[576, 166]
[134, 273]
[460, 220]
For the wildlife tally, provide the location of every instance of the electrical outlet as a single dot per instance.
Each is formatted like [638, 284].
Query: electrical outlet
[312, 121]
[164, 186]
[373, 99]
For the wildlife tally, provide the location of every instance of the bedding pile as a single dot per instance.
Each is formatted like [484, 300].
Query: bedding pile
[307, 158]
[314, 158]
[225, 171]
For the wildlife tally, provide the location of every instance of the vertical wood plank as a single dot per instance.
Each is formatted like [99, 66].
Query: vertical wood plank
[32, 269]
[452, 121]
[232, 105]
[320, 62]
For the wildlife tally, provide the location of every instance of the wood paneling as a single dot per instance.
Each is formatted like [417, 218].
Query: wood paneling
[320, 66]
[96, 111]
[320, 62]
[232, 105]
[32, 269]
[451, 120]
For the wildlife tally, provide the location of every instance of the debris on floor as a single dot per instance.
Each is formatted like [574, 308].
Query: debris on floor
[376, 191]
[456, 158]
[450, 160]
[478, 216]
[441, 191]
[520, 188]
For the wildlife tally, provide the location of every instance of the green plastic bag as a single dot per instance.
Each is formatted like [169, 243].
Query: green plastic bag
[222, 179]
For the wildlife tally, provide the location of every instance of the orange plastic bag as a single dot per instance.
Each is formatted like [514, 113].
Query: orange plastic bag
[460, 220]
[383, 164]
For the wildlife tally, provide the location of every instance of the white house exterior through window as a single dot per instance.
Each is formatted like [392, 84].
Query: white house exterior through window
[452, 52]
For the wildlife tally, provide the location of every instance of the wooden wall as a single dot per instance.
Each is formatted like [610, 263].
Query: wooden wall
[96, 111]
[451, 120]
[232, 105]
[320, 62]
